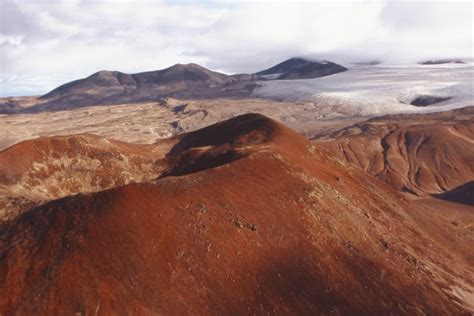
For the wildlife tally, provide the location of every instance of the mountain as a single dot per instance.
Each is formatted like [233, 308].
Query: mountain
[185, 81]
[243, 217]
[425, 154]
[442, 61]
[299, 68]
[372, 62]
[113, 87]
[12, 105]
[111, 82]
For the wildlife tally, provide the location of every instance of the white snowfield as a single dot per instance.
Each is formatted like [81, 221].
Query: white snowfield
[378, 89]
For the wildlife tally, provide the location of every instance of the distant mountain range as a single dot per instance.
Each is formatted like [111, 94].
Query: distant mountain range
[442, 61]
[180, 80]
[113, 87]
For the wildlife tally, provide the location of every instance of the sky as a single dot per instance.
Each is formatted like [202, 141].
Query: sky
[44, 43]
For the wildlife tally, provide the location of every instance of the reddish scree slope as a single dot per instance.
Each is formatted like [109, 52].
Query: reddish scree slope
[39, 170]
[247, 219]
[423, 154]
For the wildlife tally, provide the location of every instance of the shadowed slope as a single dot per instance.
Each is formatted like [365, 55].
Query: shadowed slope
[463, 194]
[442, 61]
[227, 141]
[285, 229]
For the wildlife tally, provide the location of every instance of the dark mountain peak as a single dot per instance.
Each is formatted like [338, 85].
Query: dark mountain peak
[301, 68]
[182, 74]
[296, 60]
[442, 61]
[189, 66]
[105, 78]
[372, 62]
[284, 66]
[103, 73]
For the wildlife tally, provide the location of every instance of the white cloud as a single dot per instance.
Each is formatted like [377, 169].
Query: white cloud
[60, 41]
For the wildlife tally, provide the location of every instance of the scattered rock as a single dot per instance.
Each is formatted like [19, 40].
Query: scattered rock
[253, 227]
[240, 224]
[202, 208]
[384, 244]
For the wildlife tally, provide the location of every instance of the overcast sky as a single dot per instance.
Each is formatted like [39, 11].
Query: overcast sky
[44, 43]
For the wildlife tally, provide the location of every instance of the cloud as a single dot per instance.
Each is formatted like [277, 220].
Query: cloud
[257, 35]
[46, 43]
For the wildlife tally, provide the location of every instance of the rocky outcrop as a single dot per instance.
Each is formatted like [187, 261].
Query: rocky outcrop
[442, 61]
[425, 100]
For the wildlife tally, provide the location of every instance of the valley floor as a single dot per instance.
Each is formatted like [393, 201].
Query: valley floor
[151, 121]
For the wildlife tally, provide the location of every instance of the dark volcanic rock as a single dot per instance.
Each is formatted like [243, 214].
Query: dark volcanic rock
[425, 100]
[178, 74]
[442, 61]
[9, 107]
[368, 63]
[299, 68]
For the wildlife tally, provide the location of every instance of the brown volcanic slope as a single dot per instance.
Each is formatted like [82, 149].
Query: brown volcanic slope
[247, 218]
[48, 168]
[422, 154]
